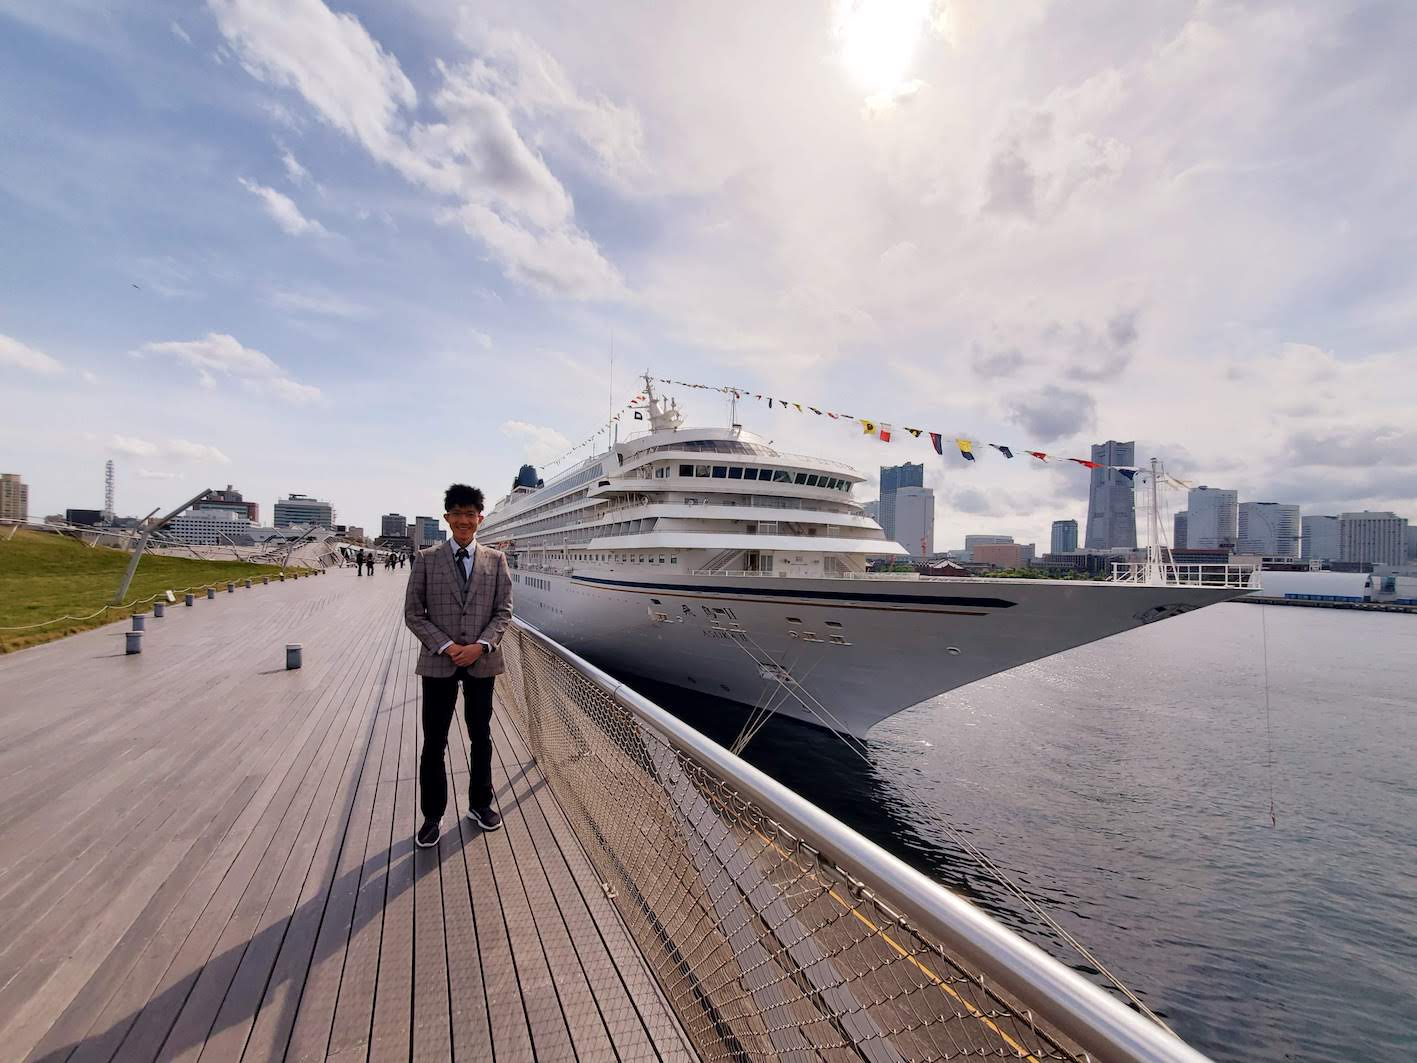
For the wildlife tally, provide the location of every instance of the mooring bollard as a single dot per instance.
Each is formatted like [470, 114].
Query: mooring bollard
[135, 642]
[159, 610]
[265, 580]
[248, 584]
[211, 594]
[230, 587]
[281, 577]
[138, 620]
[187, 598]
[292, 655]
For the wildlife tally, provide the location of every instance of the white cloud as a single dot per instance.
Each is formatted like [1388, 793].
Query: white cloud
[219, 353]
[174, 449]
[283, 209]
[507, 196]
[179, 32]
[154, 474]
[482, 339]
[21, 356]
[297, 173]
[321, 302]
[537, 442]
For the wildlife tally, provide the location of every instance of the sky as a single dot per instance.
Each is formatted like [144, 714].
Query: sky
[362, 250]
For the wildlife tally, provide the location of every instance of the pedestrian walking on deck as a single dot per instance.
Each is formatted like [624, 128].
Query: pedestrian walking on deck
[359, 563]
[458, 603]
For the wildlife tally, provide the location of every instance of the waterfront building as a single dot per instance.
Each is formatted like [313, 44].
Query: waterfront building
[1269, 529]
[1111, 501]
[87, 517]
[393, 524]
[231, 499]
[14, 497]
[210, 526]
[1212, 518]
[1065, 537]
[302, 509]
[1004, 555]
[1375, 536]
[426, 531]
[1180, 530]
[915, 520]
[971, 542]
[1319, 538]
[893, 478]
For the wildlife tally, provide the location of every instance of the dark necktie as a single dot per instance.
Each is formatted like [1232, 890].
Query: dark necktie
[460, 557]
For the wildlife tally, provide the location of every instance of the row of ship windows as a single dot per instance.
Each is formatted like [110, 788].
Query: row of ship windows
[628, 559]
[741, 472]
[532, 581]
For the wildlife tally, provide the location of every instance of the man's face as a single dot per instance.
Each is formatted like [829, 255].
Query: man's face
[464, 520]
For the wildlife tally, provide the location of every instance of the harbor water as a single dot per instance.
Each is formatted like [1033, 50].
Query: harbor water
[1128, 786]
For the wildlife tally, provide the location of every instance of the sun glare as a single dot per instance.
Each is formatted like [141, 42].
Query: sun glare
[878, 39]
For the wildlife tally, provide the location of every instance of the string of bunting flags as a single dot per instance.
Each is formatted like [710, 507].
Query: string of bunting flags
[886, 433]
[615, 417]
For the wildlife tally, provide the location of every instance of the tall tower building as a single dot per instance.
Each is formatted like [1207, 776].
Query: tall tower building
[915, 520]
[893, 478]
[1269, 529]
[1180, 530]
[1372, 535]
[1212, 518]
[1065, 537]
[1111, 503]
[393, 524]
[1320, 538]
[14, 497]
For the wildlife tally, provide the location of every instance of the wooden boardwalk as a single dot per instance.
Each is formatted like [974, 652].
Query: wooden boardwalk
[203, 855]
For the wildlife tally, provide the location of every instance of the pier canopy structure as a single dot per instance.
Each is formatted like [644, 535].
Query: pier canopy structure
[205, 854]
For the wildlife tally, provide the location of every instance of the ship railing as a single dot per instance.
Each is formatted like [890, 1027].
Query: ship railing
[1185, 574]
[774, 930]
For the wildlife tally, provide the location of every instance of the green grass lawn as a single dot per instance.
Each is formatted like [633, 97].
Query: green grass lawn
[43, 577]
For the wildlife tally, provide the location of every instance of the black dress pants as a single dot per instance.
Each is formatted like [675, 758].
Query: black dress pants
[440, 699]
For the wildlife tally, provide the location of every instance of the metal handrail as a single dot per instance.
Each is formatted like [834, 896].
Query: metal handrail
[1099, 1024]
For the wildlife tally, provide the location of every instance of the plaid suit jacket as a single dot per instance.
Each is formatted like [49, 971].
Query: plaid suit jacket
[437, 608]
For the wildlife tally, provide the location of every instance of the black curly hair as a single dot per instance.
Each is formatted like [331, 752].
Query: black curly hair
[459, 495]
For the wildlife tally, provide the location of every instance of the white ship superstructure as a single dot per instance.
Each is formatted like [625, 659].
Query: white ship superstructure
[707, 558]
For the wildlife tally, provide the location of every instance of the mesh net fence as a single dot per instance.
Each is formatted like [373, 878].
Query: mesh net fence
[762, 946]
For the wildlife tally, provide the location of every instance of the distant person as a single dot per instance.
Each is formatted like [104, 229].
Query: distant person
[459, 603]
[359, 563]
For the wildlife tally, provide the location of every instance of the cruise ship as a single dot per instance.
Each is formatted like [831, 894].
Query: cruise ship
[708, 559]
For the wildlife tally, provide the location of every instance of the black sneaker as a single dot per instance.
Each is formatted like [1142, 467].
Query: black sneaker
[486, 818]
[427, 835]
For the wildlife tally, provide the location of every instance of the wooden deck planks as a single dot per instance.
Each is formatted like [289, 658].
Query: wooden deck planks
[242, 882]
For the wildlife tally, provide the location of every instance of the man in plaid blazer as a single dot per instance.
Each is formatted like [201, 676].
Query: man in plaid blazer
[459, 603]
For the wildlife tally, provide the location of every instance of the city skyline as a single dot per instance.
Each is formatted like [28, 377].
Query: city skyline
[288, 235]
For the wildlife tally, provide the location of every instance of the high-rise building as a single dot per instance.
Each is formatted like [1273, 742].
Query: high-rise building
[893, 478]
[1375, 536]
[14, 497]
[872, 509]
[1180, 529]
[1065, 537]
[1111, 501]
[426, 532]
[915, 520]
[1270, 529]
[1319, 538]
[393, 524]
[1411, 542]
[302, 509]
[231, 499]
[1212, 518]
